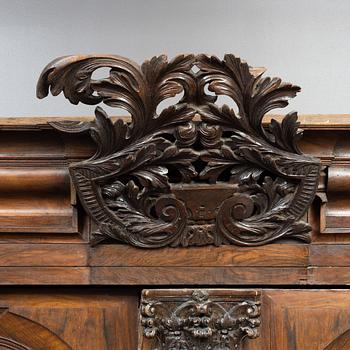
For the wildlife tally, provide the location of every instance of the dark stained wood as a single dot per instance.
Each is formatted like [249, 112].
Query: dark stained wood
[46, 152]
[198, 319]
[57, 291]
[166, 180]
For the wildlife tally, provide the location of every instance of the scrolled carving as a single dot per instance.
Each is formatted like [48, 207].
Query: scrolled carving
[199, 319]
[256, 182]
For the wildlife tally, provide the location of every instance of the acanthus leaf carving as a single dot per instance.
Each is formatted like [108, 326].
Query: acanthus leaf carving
[199, 319]
[248, 184]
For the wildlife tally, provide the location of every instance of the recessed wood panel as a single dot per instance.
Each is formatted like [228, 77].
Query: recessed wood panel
[85, 319]
[305, 320]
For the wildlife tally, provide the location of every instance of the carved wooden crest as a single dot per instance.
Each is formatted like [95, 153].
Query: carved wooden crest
[194, 173]
[199, 319]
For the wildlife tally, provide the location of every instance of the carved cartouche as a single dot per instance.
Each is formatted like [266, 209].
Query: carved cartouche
[192, 173]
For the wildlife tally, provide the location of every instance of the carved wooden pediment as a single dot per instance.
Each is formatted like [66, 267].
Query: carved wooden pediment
[195, 172]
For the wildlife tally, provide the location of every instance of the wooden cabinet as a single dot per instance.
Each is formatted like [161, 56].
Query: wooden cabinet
[58, 292]
[198, 227]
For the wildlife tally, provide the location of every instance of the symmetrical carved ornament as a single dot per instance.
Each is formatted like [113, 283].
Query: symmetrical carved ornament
[192, 173]
[199, 319]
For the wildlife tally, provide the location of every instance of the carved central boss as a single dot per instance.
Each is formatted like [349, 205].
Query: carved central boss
[194, 172]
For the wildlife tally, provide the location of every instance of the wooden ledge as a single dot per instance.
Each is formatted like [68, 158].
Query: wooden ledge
[307, 121]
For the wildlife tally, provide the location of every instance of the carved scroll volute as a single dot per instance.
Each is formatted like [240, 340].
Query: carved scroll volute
[198, 319]
[166, 178]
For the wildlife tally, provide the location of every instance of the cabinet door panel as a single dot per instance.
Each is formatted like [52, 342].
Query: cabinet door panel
[304, 320]
[90, 320]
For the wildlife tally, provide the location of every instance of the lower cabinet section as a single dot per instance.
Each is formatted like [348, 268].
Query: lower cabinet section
[113, 318]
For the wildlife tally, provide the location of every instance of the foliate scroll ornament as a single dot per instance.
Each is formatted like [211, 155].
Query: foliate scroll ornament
[199, 319]
[192, 173]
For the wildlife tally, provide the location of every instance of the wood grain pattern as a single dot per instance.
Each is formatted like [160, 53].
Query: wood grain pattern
[93, 319]
[35, 189]
[329, 275]
[340, 343]
[328, 255]
[154, 275]
[197, 275]
[42, 255]
[36, 199]
[106, 318]
[304, 320]
[278, 255]
[19, 333]
[44, 275]
[335, 214]
[119, 264]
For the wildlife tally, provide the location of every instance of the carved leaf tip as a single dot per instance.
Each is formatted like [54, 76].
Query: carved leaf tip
[287, 133]
[45, 79]
[42, 87]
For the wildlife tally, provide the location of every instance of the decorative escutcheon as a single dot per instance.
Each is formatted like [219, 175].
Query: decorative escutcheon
[198, 319]
[195, 172]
